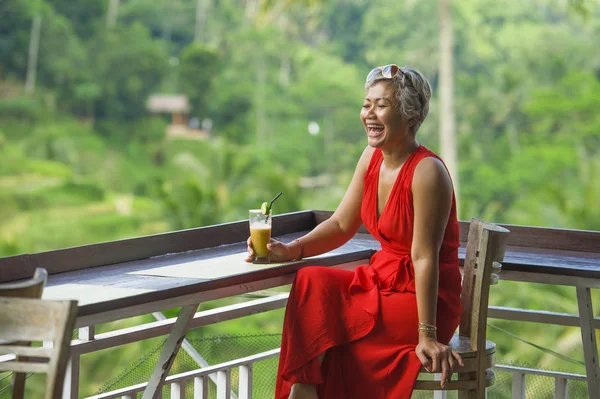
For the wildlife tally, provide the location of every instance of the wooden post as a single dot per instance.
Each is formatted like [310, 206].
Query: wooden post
[190, 350]
[167, 356]
[588, 336]
[470, 393]
[71, 386]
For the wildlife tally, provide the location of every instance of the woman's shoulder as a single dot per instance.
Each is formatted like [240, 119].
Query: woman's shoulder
[431, 171]
[368, 152]
[367, 155]
[428, 163]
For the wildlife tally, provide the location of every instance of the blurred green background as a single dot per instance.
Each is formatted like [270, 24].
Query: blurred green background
[126, 118]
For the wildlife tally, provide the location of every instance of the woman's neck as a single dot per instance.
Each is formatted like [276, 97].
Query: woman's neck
[394, 158]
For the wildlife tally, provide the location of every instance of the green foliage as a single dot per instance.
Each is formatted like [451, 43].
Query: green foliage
[82, 16]
[238, 179]
[14, 35]
[68, 193]
[21, 108]
[149, 131]
[344, 24]
[127, 71]
[199, 65]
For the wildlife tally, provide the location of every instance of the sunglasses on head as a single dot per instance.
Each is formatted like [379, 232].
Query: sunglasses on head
[388, 72]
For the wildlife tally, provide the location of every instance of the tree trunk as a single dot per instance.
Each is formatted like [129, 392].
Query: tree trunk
[285, 66]
[285, 69]
[34, 46]
[201, 17]
[448, 145]
[260, 101]
[329, 139]
[250, 11]
[113, 13]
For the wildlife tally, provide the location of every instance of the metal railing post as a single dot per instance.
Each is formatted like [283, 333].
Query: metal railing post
[245, 384]
[561, 388]
[178, 390]
[518, 385]
[201, 387]
[224, 384]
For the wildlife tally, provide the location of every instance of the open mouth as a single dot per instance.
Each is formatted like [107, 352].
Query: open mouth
[374, 129]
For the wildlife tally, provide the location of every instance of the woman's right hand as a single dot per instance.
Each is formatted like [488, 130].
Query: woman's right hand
[278, 251]
[437, 357]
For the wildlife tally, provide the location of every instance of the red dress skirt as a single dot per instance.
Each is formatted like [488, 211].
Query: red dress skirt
[366, 319]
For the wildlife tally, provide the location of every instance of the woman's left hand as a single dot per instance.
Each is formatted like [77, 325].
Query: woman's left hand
[437, 357]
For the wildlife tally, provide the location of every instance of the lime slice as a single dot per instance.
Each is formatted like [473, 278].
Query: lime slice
[264, 208]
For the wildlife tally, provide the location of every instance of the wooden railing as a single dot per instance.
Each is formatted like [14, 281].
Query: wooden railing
[539, 255]
[201, 378]
[223, 372]
[220, 374]
[519, 374]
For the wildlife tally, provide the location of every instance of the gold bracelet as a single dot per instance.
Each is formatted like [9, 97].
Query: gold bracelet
[301, 250]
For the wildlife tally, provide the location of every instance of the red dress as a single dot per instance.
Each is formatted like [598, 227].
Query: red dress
[366, 319]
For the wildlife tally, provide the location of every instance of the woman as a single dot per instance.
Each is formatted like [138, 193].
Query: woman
[366, 333]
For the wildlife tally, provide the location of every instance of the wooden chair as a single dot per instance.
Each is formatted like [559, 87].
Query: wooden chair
[485, 250]
[31, 288]
[25, 319]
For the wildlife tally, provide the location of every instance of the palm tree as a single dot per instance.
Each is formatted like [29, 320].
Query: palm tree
[448, 144]
[34, 46]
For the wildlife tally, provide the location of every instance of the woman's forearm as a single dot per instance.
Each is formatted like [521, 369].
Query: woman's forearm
[426, 284]
[327, 236]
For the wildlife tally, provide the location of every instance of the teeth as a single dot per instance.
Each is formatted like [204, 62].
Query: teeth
[374, 132]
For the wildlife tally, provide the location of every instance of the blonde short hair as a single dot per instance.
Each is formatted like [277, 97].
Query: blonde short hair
[413, 93]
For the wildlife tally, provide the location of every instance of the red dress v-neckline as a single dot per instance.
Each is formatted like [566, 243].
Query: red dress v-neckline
[394, 186]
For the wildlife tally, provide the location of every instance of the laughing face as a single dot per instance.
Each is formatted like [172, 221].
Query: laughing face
[383, 122]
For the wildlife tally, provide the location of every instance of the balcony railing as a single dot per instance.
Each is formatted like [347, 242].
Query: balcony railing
[547, 256]
[200, 379]
[220, 375]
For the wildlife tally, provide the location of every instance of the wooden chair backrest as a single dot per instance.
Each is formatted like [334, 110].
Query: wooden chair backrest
[486, 244]
[26, 319]
[31, 288]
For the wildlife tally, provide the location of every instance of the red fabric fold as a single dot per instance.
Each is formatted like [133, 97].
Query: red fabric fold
[365, 321]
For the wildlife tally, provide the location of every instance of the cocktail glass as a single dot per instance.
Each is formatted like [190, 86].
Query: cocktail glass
[260, 233]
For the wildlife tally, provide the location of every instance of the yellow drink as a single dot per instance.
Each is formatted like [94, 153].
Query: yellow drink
[260, 233]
